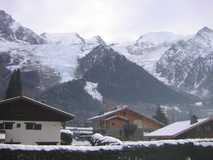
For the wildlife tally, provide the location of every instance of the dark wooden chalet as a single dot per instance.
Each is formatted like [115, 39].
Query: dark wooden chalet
[27, 109]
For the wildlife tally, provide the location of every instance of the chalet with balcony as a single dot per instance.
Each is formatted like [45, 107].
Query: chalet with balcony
[114, 122]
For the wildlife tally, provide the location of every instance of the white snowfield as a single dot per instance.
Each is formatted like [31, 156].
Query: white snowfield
[61, 53]
[141, 144]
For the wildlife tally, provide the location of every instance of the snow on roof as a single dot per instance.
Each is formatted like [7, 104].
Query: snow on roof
[80, 128]
[176, 128]
[120, 108]
[116, 116]
[108, 113]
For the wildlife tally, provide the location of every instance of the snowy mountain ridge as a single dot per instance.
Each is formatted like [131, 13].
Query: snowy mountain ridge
[11, 30]
[188, 64]
[181, 61]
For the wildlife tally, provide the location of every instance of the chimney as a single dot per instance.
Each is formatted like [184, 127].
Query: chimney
[193, 119]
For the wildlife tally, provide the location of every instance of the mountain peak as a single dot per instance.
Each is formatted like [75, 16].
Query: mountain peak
[99, 40]
[4, 15]
[205, 30]
[205, 37]
[12, 31]
[96, 40]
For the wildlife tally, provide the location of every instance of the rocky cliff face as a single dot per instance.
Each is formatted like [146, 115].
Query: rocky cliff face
[123, 81]
[188, 64]
[12, 31]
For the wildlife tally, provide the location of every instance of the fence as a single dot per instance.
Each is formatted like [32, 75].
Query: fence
[198, 149]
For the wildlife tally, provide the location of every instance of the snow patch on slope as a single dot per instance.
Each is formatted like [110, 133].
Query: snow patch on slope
[91, 89]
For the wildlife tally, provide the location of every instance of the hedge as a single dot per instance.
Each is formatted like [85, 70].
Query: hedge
[197, 149]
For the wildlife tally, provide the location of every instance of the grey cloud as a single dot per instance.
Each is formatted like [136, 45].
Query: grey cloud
[112, 19]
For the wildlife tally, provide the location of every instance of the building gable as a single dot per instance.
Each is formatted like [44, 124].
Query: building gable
[24, 108]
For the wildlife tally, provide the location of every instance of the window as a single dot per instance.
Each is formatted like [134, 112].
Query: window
[1, 125]
[29, 126]
[8, 125]
[18, 125]
[33, 126]
[37, 127]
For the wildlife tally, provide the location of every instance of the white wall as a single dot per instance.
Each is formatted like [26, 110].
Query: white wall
[50, 132]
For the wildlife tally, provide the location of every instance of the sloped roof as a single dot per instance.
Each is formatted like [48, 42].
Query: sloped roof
[121, 108]
[25, 108]
[176, 128]
[106, 114]
[116, 117]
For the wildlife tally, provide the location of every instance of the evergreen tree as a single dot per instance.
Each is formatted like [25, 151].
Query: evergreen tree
[15, 85]
[160, 116]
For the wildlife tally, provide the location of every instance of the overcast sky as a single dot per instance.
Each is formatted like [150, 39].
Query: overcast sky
[111, 19]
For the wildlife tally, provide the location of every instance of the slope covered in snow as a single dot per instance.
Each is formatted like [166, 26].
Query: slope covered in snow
[188, 64]
[91, 88]
[148, 49]
[61, 53]
[11, 30]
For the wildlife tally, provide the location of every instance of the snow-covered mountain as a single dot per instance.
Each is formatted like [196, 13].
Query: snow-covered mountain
[121, 80]
[170, 57]
[29, 51]
[148, 48]
[184, 62]
[12, 31]
[187, 64]
[51, 60]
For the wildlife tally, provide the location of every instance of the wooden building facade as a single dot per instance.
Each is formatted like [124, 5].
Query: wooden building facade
[113, 122]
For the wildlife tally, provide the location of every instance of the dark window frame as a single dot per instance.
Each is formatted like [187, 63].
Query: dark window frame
[1, 125]
[38, 126]
[8, 125]
[18, 125]
[33, 126]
